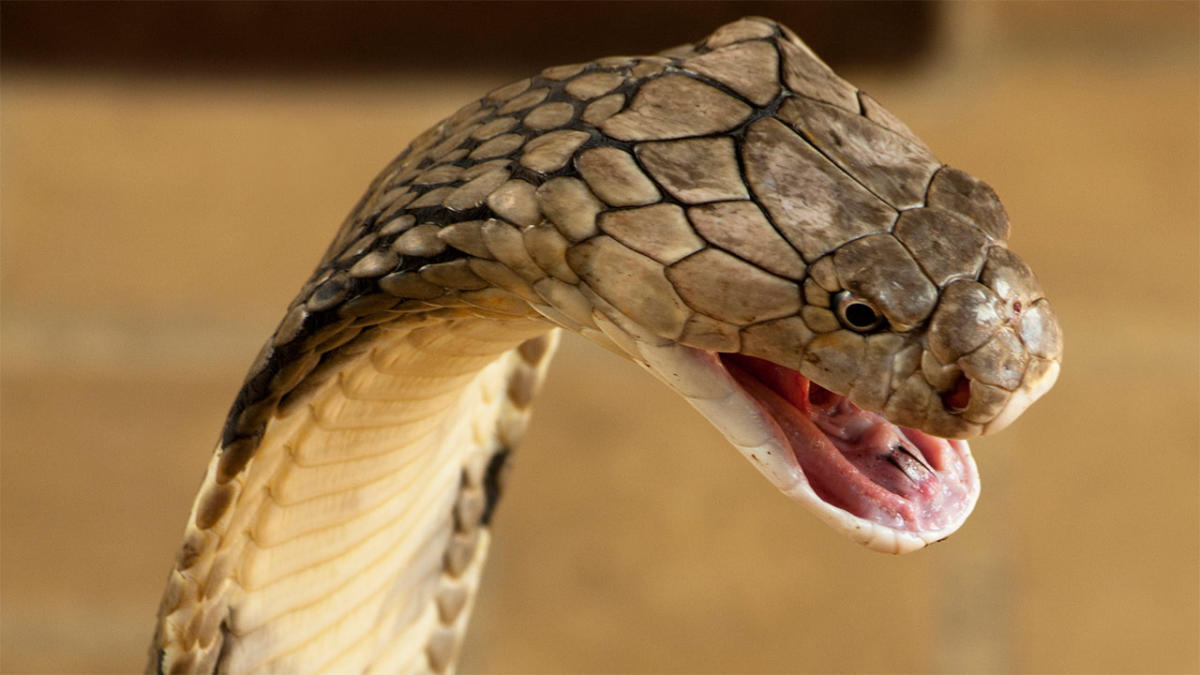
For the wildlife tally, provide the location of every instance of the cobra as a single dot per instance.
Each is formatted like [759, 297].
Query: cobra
[731, 215]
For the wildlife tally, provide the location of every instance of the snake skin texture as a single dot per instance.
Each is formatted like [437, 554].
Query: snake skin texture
[733, 196]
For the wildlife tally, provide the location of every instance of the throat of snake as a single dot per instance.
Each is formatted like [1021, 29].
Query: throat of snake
[856, 460]
[368, 504]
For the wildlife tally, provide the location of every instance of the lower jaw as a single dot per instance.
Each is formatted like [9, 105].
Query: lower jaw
[857, 462]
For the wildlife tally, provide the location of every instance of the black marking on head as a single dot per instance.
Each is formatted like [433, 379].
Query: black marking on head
[493, 483]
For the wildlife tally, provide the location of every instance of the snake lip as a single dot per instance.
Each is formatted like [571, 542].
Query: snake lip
[887, 487]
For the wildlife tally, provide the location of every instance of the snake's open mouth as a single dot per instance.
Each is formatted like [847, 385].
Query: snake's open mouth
[858, 461]
[888, 487]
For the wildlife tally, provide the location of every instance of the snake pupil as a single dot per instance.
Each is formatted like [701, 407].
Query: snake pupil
[856, 314]
[860, 315]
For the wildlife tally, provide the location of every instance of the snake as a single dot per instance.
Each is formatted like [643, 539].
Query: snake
[732, 216]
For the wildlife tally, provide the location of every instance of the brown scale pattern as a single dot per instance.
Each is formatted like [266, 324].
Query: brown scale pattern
[446, 175]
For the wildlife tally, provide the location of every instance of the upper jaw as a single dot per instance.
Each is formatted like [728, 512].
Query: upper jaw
[1040, 377]
[708, 385]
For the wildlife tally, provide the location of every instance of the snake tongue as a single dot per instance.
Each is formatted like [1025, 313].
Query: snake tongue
[856, 460]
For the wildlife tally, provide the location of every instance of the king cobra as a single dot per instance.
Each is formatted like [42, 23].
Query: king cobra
[754, 231]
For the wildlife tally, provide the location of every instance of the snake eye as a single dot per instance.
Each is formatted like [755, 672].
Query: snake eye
[855, 313]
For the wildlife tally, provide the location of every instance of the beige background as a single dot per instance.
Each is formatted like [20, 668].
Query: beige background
[153, 230]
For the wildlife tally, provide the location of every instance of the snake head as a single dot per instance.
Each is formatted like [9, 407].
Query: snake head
[837, 301]
[757, 232]
[935, 323]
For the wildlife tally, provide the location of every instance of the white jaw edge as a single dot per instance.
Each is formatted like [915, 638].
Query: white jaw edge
[1022, 399]
[700, 378]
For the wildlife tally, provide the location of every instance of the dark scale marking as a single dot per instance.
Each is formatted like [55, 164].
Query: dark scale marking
[534, 349]
[236, 454]
[213, 504]
[255, 401]
[189, 553]
[493, 483]
[328, 294]
[226, 643]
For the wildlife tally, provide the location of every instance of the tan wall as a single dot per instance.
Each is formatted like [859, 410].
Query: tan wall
[153, 230]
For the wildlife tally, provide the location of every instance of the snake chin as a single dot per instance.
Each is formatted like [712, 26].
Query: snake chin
[891, 488]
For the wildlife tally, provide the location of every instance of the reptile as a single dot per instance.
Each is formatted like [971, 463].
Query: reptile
[731, 215]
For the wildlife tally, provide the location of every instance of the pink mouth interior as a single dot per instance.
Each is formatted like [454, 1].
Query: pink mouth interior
[858, 461]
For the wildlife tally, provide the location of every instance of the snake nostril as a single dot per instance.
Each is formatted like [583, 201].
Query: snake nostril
[958, 397]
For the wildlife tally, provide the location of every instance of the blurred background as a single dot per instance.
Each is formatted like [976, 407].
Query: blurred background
[170, 174]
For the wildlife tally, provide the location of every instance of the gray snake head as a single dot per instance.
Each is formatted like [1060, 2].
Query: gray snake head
[759, 234]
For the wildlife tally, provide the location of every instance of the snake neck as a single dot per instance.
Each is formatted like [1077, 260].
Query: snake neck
[358, 525]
